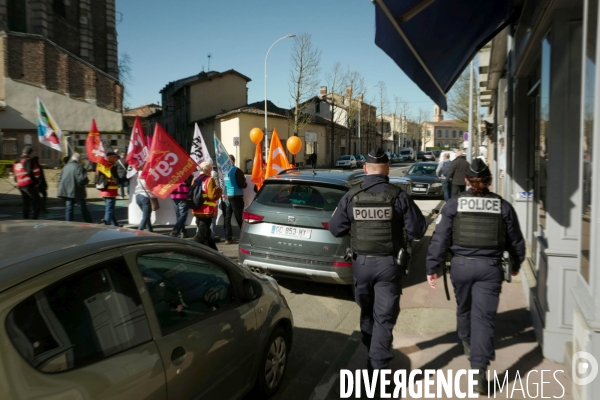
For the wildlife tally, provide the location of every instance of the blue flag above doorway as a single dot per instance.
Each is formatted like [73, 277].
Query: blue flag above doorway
[432, 41]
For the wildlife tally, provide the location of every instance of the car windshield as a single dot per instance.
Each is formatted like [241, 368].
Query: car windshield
[405, 152]
[428, 169]
[344, 157]
[300, 195]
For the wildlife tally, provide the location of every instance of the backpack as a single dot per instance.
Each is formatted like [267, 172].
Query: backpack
[445, 168]
[194, 197]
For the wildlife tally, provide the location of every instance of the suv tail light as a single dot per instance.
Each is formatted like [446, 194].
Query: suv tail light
[252, 218]
[342, 264]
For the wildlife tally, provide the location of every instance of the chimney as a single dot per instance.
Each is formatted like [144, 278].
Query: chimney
[323, 91]
[349, 92]
[360, 97]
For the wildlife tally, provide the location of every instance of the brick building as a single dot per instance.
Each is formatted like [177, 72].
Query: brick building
[65, 52]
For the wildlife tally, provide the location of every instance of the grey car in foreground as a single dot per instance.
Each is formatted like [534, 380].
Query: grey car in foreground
[95, 312]
[285, 231]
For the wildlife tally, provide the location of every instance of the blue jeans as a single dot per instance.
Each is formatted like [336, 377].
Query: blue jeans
[109, 211]
[70, 203]
[144, 203]
[124, 183]
[447, 186]
[181, 213]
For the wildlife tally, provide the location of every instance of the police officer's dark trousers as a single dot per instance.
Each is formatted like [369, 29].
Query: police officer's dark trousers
[477, 286]
[378, 289]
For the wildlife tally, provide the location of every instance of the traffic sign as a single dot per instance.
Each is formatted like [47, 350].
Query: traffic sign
[236, 141]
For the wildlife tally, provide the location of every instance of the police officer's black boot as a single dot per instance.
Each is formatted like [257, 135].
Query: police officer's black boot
[481, 382]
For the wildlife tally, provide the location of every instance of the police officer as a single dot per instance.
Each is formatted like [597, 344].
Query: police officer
[375, 214]
[477, 227]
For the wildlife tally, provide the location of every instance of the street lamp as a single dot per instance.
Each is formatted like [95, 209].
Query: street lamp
[359, 110]
[289, 35]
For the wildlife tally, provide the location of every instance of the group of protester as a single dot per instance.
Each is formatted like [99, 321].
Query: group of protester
[111, 183]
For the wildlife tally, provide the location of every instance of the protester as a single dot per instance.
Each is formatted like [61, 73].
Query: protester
[179, 197]
[42, 185]
[235, 182]
[108, 188]
[142, 198]
[208, 208]
[122, 173]
[27, 176]
[71, 187]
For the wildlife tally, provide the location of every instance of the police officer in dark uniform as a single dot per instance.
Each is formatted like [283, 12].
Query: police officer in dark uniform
[375, 214]
[477, 227]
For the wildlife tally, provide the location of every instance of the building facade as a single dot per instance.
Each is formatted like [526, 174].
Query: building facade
[539, 80]
[64, 52]
[442, 134]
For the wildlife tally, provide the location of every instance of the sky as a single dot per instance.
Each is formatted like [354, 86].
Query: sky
[170, 40]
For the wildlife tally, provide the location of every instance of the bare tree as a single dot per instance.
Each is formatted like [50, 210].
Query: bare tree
[303, 79]
[126, 77]
[334, 80]
[382, 102]
[356, 83]
[458, 99]
[416, 126]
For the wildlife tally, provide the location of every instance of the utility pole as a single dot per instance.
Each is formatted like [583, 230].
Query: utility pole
[470, 140]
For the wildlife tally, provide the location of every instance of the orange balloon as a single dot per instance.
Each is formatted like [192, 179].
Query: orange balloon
[294, 144]
[256, 135]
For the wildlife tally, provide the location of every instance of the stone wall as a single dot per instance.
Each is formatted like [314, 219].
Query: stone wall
[34, 60]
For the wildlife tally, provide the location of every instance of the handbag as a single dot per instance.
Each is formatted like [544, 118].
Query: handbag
[154, 204]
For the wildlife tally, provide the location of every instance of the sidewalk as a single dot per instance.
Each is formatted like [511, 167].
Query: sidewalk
[425, 338]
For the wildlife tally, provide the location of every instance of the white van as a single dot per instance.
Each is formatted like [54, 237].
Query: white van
[407, 154]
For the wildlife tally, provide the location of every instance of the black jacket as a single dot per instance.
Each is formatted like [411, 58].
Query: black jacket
[458, 169]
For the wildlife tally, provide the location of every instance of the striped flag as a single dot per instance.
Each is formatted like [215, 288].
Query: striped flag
[49, 133]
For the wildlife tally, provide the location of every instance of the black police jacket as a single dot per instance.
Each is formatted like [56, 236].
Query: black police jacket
[406, 213]
[441, 240]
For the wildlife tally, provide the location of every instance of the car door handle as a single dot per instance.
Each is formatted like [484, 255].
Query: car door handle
[177, 355]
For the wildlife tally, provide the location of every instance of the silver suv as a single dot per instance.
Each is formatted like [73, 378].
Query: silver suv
[285, 231]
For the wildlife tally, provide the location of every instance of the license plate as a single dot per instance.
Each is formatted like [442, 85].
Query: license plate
[292, 231]
[416, 189]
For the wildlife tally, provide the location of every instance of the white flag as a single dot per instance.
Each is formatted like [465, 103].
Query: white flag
[199, 152]
[137, 152]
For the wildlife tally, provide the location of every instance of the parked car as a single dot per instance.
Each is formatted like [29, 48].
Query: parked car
[346, 162]
[394, 158]
[91, 311]
[401, 181]
[436, 153]
[360, 160]
[423, 180]
[419, 155]
[407, 154]
[428, 156]
[286, 228]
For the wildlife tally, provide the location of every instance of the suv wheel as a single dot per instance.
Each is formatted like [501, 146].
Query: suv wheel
[273, 362]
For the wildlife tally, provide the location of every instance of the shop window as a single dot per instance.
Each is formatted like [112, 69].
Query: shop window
[80, 320]
[588, 137]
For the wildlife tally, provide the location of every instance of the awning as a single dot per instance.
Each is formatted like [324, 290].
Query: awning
[432, 41]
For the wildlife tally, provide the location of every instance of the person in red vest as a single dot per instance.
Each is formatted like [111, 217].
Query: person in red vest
[27, 176]
[208, 210]
[109, 189]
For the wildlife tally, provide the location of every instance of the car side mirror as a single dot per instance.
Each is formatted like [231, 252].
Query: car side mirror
[252, 289]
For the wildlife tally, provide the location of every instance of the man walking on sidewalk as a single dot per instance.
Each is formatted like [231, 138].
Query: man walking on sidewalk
[441, 171]
[71, 187]
[27, 176]
[235, 181]
[457, 173]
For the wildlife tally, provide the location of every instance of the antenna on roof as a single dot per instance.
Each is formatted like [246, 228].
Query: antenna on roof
[209, 55]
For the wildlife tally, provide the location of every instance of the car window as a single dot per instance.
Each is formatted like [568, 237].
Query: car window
[184, 287]
[292, 194]
[405, 152]
[80, 320]
[422, 170]
[344, 157]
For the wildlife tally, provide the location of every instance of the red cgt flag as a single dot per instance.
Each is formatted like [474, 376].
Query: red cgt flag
[168, 165]
[137, 152]
[95, 150]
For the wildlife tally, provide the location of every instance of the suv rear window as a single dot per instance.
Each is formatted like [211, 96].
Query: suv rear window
[290, 195]
[405, 152]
